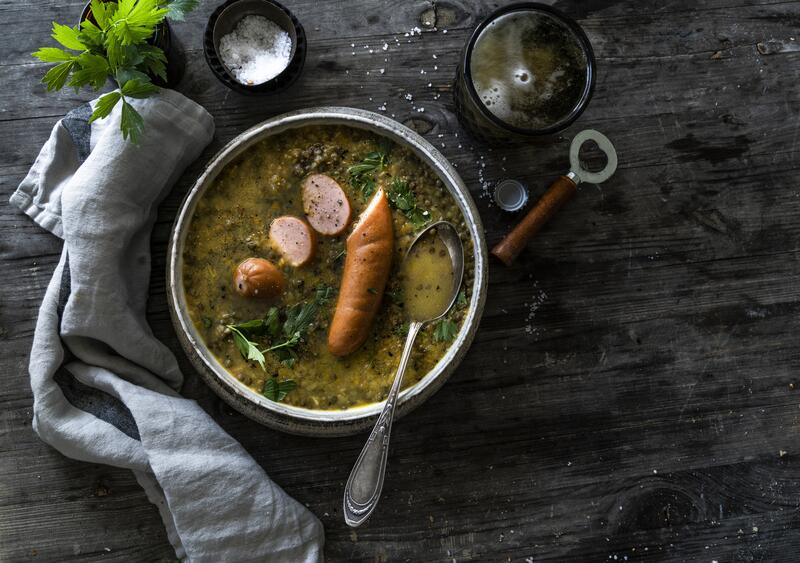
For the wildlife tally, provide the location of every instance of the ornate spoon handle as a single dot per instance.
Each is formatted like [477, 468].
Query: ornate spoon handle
[365, 483]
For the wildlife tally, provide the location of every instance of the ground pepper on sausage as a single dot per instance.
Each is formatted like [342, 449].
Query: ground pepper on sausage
[232, 223]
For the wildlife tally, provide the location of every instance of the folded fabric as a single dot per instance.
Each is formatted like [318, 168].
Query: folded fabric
[105, 389]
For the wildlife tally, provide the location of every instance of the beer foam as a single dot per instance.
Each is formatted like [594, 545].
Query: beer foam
[528, 69]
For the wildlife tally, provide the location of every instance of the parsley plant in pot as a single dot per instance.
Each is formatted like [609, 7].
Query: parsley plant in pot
[116, 40]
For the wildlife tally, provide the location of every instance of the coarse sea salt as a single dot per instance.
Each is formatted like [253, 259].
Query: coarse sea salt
[256, 50]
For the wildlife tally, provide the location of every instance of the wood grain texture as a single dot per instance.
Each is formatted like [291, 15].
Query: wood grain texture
[633, 389]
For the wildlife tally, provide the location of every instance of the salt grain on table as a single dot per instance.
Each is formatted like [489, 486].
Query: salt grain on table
[256, 50]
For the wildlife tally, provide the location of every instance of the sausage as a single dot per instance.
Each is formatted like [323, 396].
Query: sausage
[294, 239]
[325, 205]
[256, 277]
[366, 271]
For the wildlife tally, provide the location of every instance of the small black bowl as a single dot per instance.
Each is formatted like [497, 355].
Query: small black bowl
[224, 20]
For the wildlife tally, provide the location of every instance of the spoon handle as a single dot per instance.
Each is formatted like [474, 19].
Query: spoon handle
[365, 483]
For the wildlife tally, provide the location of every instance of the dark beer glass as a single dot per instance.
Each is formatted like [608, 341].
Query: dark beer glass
[512, 49]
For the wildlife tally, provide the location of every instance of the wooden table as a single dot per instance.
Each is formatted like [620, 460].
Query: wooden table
[633, 391]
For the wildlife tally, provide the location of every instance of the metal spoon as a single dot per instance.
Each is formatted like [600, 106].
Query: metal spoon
[364, 486]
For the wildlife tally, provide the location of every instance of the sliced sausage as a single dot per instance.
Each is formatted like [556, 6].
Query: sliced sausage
[325, 204]
[256, 277]
[366, 271]
[294, 239]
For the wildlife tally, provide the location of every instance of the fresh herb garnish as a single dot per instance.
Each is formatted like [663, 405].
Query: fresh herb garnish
[297, 323]
[445, 331]
[401, 329]
[277, 391]
[362, 175]
[113, 43]
[247, 348]
[461, 300]
[403, 199]
[301, 315]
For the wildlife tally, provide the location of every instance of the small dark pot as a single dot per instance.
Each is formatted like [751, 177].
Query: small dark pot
[225, 18]
[164, 40]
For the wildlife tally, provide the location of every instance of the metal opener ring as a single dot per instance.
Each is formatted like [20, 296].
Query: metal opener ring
[583, 175]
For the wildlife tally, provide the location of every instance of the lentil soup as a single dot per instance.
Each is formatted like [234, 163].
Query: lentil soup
[231, 223]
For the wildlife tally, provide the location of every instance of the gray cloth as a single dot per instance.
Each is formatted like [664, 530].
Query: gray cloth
[105, 390]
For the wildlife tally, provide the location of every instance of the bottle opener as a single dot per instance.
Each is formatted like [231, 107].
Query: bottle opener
[559, 192]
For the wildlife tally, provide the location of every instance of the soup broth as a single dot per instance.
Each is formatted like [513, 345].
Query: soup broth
[232, 222]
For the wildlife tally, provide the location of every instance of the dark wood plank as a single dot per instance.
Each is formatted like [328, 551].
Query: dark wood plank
[633, 389]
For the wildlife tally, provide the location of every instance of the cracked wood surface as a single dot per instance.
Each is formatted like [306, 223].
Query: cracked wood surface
[633, 389]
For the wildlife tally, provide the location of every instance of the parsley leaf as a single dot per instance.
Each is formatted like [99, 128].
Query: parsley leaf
[68, 36]
[93, 71]
[277, 391]
[57, 76]
[272, 322]
[445, 331]
[403, 199]
[104, 105]
[101, 12]
[92, 36]
[53, 55]
[362, 175]
[154, 60]
[137, 89]
[268, 326]
[131, 123]
[134, 21]
[461, 300]
[300, 316]
[247, 348]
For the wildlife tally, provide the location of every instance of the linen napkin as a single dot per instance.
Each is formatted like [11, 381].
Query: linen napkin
[105, 389]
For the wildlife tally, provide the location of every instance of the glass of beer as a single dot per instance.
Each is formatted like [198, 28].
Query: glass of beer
[527, 71]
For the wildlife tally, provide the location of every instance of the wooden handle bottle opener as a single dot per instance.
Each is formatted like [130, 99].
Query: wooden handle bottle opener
[559, 192]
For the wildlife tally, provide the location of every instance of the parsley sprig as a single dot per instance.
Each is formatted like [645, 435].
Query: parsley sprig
[446, 329]
[247, 348]
[113, 43]
[402, 198]
[285, 337]
[363, 174]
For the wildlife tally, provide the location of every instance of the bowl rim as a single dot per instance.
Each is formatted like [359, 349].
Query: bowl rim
[301, 420]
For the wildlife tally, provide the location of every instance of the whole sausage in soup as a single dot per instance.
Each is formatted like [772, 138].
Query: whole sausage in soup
[366, 271]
